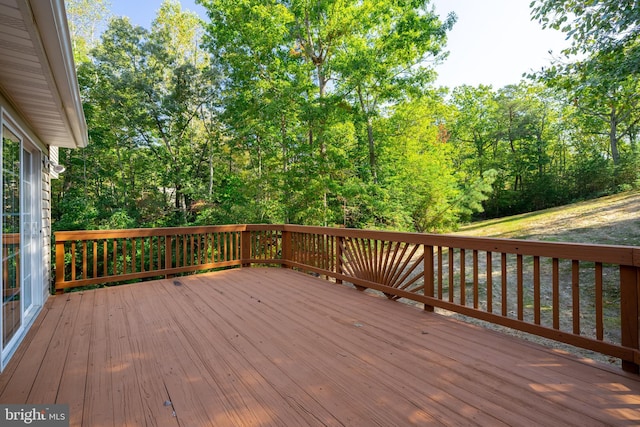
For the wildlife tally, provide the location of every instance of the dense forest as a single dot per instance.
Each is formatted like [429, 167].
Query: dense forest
[326, 113]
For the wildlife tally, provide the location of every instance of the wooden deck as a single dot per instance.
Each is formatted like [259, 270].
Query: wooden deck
[258, 346]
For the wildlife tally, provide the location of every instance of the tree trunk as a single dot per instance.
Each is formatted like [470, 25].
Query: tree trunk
[371, 141]
[613, 136]
[210, 174]
[372, 152]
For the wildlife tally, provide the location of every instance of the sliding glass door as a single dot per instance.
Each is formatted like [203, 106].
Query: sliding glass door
[20, 267]
[11, 298]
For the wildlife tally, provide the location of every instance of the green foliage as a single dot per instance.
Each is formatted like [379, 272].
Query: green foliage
[323, 113]
[593, 26]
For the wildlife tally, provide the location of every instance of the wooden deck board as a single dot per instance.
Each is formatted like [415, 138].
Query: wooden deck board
[74, 376]
[268, 346]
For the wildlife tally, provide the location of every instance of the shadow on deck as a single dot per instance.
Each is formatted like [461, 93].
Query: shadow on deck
[259, 346]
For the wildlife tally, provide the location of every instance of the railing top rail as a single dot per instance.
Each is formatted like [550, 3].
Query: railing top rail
[65, 236]
[613, 254]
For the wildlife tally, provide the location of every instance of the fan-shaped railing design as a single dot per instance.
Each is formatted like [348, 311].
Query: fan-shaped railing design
[394, 264]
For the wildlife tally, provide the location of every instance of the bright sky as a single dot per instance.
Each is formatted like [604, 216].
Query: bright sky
[494, 41]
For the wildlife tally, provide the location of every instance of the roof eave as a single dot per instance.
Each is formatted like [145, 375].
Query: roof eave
[50, 19]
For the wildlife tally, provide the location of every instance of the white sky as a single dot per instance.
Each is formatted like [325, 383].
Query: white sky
[494, 41]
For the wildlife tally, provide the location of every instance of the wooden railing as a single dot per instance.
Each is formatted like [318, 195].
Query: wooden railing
[85, 258]
[582, 295]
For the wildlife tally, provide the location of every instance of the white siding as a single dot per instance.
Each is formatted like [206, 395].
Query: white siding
[46, 230]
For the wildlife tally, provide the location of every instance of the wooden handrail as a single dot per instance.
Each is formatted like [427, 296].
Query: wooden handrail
[541, 288]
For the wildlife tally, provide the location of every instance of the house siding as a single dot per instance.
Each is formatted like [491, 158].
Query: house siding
[46, 231]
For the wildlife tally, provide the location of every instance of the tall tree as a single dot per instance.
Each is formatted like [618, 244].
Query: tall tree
[388, 58]
[603, 83]
[86, 18]
[304, 75]
[150, 102]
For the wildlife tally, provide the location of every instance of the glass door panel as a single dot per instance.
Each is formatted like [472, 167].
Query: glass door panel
[11, 304]
[27, 230]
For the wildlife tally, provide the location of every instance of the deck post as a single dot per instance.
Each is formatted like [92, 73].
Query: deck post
[59, 266]
[245, 248]
[629, 320]
[429, 287]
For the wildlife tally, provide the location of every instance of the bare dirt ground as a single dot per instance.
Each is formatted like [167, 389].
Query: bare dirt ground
[613, 220]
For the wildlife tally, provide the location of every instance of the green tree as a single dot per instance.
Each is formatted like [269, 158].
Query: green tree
[86, 19]
[603, 83]
[298, 90]
[155, 142]
[593, 26]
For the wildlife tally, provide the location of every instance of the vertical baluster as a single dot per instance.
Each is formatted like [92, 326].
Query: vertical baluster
[451, 271]
[115, 257]
[216, 249]
[325, 250]
[159, 255]
[168, 258]
[222, 244]
[503, 261]
[476, 296]
[599, 307]
[178, 255]
[536, 290]
[225, 246]
[489, 282]
[134, 251]
[253, 248]
[463, 278]
[193, 249]
[368, 251]
[556, 292]
[124, 256]
[575, 295]
[151, 253]
[440, 273]
[391, 252]
[520, 284]
[84, 260]
[73, 261]
[205, 249]
[95, 258]
[143, 242]
[332, 253]
[104, 257]
[185, 250]
[380, 250]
